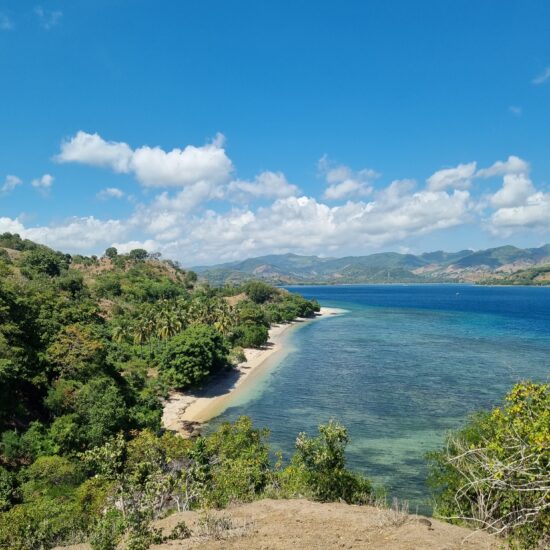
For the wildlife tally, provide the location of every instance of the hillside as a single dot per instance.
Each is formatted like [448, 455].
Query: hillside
[290, 524]
[533, 276]
[388, 267]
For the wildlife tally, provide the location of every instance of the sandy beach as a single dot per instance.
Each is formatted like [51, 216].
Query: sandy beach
[185, 411]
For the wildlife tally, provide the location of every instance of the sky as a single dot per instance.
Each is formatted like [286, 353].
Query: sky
[215, 131]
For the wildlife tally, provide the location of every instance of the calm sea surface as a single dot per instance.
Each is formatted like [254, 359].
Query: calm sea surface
[402, 366]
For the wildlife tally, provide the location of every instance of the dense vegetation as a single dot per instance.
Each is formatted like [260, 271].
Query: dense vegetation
[88, 347]
[495, 472]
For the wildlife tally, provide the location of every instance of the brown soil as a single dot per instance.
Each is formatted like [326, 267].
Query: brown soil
[304, 525]
[300, 524]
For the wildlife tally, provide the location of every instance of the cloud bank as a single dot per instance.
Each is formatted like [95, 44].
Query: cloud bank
[200, 212]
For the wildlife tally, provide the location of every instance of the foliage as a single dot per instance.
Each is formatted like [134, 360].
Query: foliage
[193, 355]
[249, 335]
[258, 291]
[88, 347]
[494, 473]
[318, 468]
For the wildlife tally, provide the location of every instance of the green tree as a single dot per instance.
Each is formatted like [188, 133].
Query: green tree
[139, 254]
[111, 253]
[191, 356]
[44, 261]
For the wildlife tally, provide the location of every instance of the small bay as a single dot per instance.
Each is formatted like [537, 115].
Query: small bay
[402, 365]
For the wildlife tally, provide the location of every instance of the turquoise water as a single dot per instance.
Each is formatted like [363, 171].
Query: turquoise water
[402, 366]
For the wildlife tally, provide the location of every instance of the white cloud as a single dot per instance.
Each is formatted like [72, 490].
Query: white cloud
[44, 183]
[534, 213]
[9, 225]
[10, 183]
[152, 166]
[76, 235]
[48, 18]
[515, 190]
[459, 177]
[265, 185]
[343, 181]
[110, 193]
[513, 165]
[6, 24]
[176, 222]
[516, 110]
[125, 247]
[542, 77]
[92, 149]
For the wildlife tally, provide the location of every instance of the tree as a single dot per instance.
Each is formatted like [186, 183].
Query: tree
[258, 291]
[138, 254]
[191, 356]
[76, 352]
[249, 335]
[111, 252]
[44, 261]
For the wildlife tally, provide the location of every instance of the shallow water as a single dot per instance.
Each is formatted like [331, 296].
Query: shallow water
[400, 368]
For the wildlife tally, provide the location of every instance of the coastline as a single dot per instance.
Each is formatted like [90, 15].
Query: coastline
[184, 412]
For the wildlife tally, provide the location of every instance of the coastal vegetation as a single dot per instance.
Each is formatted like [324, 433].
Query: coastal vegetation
[494, 473]
[90, 346]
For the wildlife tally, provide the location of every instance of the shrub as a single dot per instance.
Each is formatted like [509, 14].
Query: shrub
[191, 356]
[251, 336]
[494, 472]
[318, 468]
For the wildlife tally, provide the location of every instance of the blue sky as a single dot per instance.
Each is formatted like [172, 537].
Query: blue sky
[218, 130]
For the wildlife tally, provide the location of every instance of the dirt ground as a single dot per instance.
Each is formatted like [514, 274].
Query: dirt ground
[300, 524]
[304, 525]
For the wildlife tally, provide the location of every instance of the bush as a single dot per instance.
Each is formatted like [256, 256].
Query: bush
[318, 469]
[494, 472]
[44, 261]
[258, 291]
[191, 356]
[251, 336]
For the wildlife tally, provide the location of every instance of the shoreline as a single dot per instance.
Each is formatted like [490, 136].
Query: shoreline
[185, 412]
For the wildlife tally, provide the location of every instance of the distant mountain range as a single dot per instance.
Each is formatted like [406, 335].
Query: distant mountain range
[493, 264]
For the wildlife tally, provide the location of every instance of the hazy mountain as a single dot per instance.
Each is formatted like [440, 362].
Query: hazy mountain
[386, 267]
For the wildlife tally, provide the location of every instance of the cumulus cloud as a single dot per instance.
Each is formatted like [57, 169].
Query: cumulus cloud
[517, 203]
[152, 166]
[513, 165]
[265, 185]
[515, 190]
[176, 220]
[83, 234]
[110, 193]
[125, 247]
[343, 182]
[43, 183]
[48, 18]
[542, 77]
[92, 149]
[533, 213]
[459, 177]
[10, 183]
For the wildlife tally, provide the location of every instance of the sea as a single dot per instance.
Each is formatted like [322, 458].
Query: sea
[402, 366]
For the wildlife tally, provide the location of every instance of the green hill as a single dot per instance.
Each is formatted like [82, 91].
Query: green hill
[387, 267]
